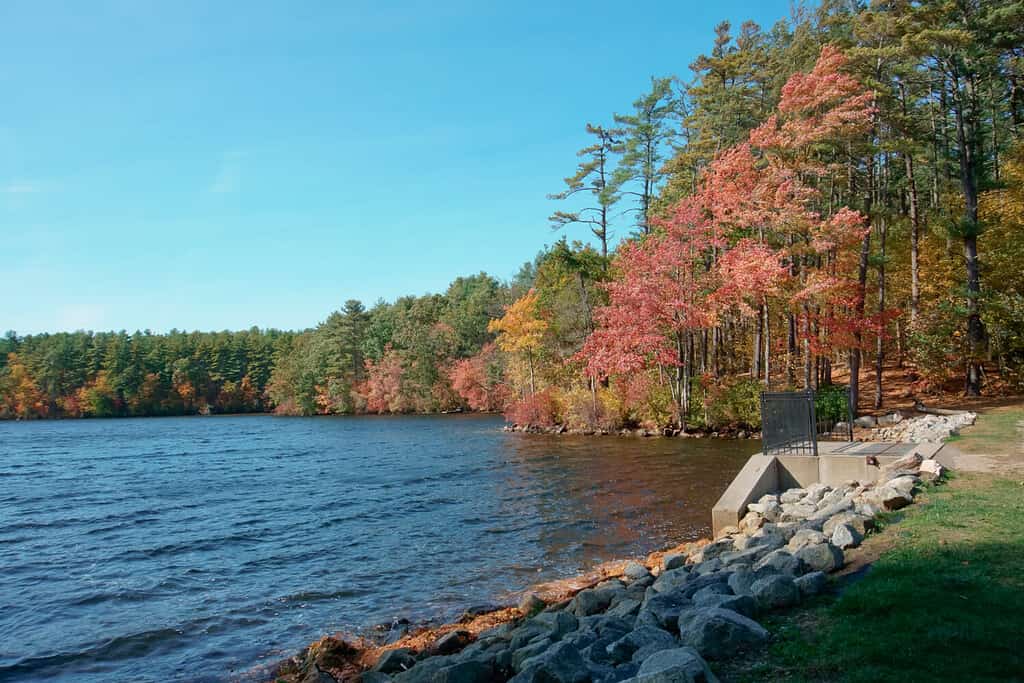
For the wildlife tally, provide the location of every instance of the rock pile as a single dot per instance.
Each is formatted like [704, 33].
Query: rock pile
[661, 624]
[923, 429]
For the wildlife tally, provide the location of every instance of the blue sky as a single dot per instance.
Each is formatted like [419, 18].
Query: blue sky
[219, 165]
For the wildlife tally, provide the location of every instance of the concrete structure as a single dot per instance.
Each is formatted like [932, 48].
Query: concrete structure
[836, 463]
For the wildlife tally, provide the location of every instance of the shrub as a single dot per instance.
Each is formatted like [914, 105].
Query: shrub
[540, 409]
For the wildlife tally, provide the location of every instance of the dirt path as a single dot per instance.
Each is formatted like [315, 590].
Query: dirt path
[995, 444]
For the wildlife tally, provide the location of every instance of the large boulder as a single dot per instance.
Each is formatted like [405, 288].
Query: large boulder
[744, 604]
[678, 665]
[717, 633]
[471, 671]
[845, 536]
[591, 601]
[908, 464]
[673, 561]
[634, 571]
[671, 579]
[639, 644]
[531, 604]
[822, 557]
[804, 538]
[775, 592]
[891, 498]
[930, 470]
[662, 610]
[778, 562]
[860, 523]
[395, 661]
[561, 663]
[792, 496]
[450, 643]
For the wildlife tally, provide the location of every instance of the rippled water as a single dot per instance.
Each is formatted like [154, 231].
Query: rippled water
[196, 548]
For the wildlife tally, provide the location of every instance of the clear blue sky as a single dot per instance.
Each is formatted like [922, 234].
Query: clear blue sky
[217, 165]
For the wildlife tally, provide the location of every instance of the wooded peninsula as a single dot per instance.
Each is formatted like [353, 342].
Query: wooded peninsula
[842, 190]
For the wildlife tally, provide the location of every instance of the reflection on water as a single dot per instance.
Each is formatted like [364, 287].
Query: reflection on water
[185, 548]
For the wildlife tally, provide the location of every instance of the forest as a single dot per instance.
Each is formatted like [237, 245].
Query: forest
[830, 198]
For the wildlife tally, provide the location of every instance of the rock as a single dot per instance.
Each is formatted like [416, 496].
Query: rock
[717, 633]
[811, 583]
[769, 510]
[904, 483]
[778, 561]
[591, 601]
[890, 419]
[371, 677]
[450, 643]
[530, 651]
[815, 492]
[740, 581]
[794, 512]
[713, 589]
[670, 580]
[768, 498]
[792, 496]
[751, 522]
[822, 557]
[677, 665]
[709, 566]
[562, 663]
[635, 571]
[908, 464]
[845, 536]
[624, 608]
[395, 661]
[804, 538]
[841, 427]
[775, 592]
[930, 470]
[866, 422]
[859, 523]
[673, 561]
[892, 499]
[639, 644]
[662, 610]
[424, 670]
[531, 604]
[471, 671]
[743, 604]
[558, 623]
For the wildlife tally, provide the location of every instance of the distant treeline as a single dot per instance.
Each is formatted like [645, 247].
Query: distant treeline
[349, 363]
[844, 189]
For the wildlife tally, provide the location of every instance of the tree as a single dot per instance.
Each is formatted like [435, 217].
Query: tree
[593, 176]
[646, 134]
[521, 332]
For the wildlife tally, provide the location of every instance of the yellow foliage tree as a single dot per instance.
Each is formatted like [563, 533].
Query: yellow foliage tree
[521, 331]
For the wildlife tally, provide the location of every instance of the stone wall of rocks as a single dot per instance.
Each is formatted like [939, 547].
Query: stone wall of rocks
[923, 429]
[660, 624]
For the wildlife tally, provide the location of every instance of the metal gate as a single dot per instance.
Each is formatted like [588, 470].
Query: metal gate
[788, 423]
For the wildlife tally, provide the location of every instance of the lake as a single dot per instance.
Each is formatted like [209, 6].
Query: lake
[197, 548]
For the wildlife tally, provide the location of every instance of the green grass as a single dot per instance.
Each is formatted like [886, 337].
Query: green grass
[996, 432]
[945, 603]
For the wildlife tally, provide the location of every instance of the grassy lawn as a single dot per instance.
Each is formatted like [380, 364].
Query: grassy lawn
[944, 603]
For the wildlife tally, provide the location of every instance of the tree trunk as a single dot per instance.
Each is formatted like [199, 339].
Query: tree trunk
[967, 141]
[879, 343]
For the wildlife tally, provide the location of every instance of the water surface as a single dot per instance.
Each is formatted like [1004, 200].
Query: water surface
[195, 548]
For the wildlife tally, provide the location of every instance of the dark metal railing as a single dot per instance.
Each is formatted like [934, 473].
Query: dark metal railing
[788, 423]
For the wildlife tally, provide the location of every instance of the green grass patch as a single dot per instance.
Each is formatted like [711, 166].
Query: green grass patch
[946, 603]
[997, 432]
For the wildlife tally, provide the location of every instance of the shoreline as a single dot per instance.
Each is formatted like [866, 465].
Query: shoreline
[360, 650]
[689, 602]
